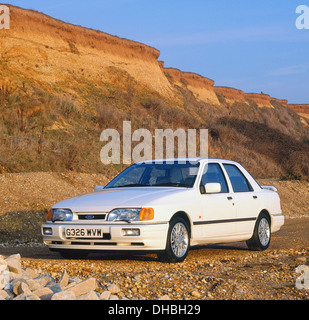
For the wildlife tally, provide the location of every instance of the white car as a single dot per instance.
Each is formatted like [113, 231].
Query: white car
[164, 207]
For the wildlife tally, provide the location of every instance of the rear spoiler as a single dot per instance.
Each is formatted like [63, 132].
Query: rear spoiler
[272, 188]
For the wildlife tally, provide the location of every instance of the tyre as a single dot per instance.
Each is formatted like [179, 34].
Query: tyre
[261, 235]
[178, 241]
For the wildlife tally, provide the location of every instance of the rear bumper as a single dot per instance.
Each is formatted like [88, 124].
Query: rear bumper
[277, 221]
[152, 237]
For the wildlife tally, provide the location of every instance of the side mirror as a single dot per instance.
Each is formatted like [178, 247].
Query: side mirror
[213, 187]
[98, 188]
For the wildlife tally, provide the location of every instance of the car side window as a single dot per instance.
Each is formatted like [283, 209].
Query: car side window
[213, 173]
[238, 180]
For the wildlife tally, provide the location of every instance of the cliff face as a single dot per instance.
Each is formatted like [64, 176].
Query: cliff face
[302, 110]
[44, 49]
[204, 90]
[201, 87]
[230, 95]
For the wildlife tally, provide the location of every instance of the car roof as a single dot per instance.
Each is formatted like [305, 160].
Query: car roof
[202, 160]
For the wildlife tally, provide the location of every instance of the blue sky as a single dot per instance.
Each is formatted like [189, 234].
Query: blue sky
[250, 45]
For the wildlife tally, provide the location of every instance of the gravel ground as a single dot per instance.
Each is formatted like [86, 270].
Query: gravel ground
[229, 275]
[209, 272]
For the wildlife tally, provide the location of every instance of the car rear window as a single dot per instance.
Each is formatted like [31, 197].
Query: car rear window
[238, 180]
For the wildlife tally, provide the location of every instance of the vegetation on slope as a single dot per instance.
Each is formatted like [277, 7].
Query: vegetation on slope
[52, 129]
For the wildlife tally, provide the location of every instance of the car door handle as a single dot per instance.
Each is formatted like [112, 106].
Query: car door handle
[255, 197]
[229, 198]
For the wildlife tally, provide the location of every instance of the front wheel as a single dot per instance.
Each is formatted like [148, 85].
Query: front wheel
[178, 241]
[261, 235]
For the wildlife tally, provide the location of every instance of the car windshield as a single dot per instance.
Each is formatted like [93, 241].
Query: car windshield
[154, 174]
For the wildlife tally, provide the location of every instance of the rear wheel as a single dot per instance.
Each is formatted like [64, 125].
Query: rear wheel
[178, 241]
[261, 235]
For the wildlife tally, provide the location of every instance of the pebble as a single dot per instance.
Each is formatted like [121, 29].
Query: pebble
[105, 295]
[165, 297]
[196, 294]
[89, 296]
[64, 295]
[14, 263]
[83, 287]
[44, 293]
[241, 278]
[24, 284]
[64, 279]
[240, 291]
[113, 289]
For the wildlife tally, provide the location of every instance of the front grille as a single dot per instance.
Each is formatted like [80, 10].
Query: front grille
[91, 216]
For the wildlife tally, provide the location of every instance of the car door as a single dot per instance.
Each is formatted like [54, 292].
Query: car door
[246, 200]
[218, 209]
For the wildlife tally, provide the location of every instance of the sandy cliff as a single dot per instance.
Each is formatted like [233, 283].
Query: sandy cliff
[302, 110]
[201, 87]
[204, 89]
[45, 50]
[231, 95]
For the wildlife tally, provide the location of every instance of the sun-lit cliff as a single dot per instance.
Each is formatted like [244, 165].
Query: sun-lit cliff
[61, 84]
[46, 50]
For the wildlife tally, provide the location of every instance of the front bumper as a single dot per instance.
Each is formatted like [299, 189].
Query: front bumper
[152, 237]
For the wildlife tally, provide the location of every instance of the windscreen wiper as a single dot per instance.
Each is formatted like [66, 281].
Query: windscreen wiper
[170, 184]
[131, 185]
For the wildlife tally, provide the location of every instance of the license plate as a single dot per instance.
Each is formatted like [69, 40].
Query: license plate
[84, 232]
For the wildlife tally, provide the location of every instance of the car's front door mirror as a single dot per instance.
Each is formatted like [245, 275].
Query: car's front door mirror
[213, 187]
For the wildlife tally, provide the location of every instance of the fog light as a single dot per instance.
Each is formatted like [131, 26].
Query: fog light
[47, 231]
[131, 232]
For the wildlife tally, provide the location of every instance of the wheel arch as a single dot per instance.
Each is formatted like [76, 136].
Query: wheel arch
[266, 212]
[185, 216]
[254, 243]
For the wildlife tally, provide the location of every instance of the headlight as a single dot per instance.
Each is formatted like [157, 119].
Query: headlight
[124, 215]
[60, 215]
[131, 214]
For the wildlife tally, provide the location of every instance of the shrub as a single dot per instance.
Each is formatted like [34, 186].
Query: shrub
[285, 151]
[108, 116]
